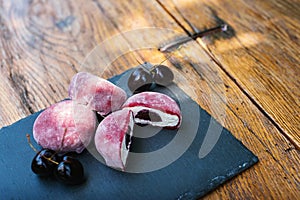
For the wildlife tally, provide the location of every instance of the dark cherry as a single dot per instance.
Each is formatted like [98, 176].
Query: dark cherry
[70, 171]
[140, 80]
[162, 75]
[42, 166]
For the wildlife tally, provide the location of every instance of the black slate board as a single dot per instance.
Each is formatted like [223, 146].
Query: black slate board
[188, 177]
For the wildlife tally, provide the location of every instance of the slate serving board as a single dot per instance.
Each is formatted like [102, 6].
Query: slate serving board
[184, 176]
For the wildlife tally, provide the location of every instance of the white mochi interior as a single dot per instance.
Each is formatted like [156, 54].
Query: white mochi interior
[124, 151]
[166, 119]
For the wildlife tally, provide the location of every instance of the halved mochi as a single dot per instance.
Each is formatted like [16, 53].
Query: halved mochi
[97, 93]
[154, 108]
[65, 127]
[113, 138]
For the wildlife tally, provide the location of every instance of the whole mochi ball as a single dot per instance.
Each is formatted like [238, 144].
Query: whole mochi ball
[65, 127]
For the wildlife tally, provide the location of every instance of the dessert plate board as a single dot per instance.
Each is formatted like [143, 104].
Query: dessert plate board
[165, 165]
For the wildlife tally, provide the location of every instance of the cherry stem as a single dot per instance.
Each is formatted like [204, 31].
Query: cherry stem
[221, 28]
[34, 149]
[30, 144]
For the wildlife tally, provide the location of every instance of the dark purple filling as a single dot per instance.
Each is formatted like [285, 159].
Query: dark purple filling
[148, 115]
[128, 138]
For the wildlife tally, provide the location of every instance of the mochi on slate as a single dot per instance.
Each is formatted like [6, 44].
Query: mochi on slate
[113, 138]
[65, 127]
[155, 109]
[98, 94]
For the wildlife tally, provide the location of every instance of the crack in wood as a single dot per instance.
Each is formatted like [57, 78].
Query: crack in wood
[255, 103]
[18, 83]
[173, 17]
[246, 125]
[230, 34]
[177, 43]
[260, 108]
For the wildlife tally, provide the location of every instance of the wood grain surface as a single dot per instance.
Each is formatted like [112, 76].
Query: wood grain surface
[260, 52]
[247, 78]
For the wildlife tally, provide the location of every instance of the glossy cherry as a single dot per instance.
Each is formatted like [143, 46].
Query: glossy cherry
[69, 171]
[140, 80]
[44, 162]
[162, 75]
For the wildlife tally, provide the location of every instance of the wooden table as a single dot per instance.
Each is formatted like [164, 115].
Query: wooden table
[247, 77]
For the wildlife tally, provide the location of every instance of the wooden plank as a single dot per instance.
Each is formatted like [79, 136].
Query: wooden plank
[254, 131]
[42, 44]
[55, 53]
[238, 104]
[260, 51]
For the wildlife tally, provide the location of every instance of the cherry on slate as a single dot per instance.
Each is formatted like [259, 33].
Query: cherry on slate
[69, 171]
[44, 162]
[162, 75]
[47, 163]
[142, 79]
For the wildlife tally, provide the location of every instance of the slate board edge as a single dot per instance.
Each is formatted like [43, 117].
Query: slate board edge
[236, 173]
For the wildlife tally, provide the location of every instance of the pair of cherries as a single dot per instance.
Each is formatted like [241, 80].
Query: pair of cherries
[143, 79]
[65, 168]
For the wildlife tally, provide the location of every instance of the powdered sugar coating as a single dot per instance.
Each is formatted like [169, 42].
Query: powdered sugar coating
[110, 136]
[65, 127]
[97, 93]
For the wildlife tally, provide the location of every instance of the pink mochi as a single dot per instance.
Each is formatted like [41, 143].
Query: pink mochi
[97, 93]
[113, 138]
[65, 127]
[154, 108]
